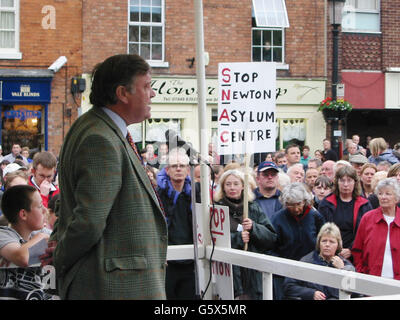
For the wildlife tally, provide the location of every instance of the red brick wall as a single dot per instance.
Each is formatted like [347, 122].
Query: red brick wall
[390, 27]
[40, 47]
[227, 36]
[375, 51]
[305, 47]
[361, 51]
[105, 27]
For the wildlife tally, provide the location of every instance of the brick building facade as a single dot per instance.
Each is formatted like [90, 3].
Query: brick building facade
[86, 32]
[227, 38]
[46, 31]
[370, 66]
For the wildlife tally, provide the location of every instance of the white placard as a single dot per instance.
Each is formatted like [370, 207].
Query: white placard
[222, 273]
[246, 107]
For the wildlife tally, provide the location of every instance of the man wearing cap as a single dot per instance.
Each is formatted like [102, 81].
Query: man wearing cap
[357, 161]
[267, 192]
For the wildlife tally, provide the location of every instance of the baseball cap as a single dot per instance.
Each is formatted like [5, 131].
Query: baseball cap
[11, 168]
[358, 158]
[267, 165]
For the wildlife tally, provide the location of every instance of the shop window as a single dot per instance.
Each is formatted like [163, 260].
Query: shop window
[9, 29]
[269, 20]
[291, 131]
[153, 130]
[146, 30]
[23, 124]
[361, 16]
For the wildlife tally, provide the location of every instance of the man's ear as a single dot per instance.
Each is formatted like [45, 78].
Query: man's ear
[22, 214]
[121, 92]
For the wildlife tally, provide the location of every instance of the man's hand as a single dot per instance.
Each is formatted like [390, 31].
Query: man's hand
[45, 187]
[47, 258]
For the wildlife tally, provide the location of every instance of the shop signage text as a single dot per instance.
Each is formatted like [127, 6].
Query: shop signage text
[184, 90]
[25, 91]
[22, 114]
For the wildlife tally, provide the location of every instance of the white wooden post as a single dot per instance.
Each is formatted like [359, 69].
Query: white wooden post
[267, 286]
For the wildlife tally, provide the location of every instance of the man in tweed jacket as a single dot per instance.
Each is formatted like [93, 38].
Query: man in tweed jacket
[111, 232]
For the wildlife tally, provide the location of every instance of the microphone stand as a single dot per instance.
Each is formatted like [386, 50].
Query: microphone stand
[195, 158]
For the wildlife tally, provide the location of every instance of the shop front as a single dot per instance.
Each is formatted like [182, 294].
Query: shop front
[175, 107]
[24, 99]
[296, 118]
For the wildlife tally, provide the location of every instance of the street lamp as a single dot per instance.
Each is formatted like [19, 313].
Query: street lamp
[335, 17]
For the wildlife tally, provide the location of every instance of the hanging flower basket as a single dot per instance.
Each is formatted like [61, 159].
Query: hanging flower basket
[335, 109]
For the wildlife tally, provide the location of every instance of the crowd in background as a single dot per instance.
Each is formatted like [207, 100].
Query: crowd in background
[308, 205]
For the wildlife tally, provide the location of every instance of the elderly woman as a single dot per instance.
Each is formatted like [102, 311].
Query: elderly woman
[256, 230]
[380, 152]
[376, 249]
[345, 206]
[328, 247]
[297, 226]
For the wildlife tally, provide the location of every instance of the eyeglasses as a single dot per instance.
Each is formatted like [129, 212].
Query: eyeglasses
[176, 166]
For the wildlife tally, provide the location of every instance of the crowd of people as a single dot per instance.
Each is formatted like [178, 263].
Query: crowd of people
[106, 211]
[296, 204]
[342, 214]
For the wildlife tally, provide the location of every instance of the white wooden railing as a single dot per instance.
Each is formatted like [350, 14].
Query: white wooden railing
[346, 281]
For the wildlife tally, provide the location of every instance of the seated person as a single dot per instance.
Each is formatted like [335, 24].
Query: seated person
[329, 245]
[22, 206]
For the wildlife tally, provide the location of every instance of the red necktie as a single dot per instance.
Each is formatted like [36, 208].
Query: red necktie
[133, 145]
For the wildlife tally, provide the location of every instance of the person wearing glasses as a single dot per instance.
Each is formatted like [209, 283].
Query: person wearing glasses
[345, 206]
[297, 225]
[174, 189]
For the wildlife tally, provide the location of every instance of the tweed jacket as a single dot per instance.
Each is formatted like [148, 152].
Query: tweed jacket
[111, 233]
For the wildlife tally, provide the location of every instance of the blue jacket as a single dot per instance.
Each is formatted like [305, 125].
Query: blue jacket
[268, 205]
[296, 236]
[298, 289]
[178, 209]
[387, 155]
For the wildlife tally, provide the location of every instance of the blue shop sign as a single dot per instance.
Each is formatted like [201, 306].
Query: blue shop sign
[14, 90]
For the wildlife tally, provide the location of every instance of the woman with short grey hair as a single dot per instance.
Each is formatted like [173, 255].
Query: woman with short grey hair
[297, 226]
[376, 248]
[296, 192]
[389, 183]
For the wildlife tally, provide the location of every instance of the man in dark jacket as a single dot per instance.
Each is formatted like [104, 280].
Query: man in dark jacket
[174, 189]
[267, 192]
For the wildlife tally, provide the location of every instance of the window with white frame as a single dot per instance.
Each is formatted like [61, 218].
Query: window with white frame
[9, 29]
[146, 29]
[269, 20]
[361, 16]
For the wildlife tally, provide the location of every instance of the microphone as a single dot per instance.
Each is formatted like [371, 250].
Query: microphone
[174, 141]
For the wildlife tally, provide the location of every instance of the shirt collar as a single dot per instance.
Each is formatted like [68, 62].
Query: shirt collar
[396, 220]
[119, 122]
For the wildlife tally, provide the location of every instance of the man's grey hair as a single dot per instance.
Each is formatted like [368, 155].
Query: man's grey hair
[340, 162]
[389, 183]
[291, 168]
[178, 152]
[296, 192]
